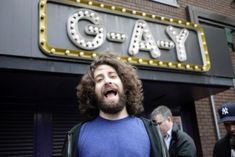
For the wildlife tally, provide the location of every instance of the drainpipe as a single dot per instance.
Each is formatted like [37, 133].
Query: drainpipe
[215, 117]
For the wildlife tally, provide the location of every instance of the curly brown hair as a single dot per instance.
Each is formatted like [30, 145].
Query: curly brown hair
[131, 83]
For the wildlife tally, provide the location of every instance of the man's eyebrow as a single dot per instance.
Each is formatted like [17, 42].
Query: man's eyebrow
[112, 72]
[99, 75]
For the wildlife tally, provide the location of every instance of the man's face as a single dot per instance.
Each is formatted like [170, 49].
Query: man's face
[109, 89]
[164, 124]
[230, 127]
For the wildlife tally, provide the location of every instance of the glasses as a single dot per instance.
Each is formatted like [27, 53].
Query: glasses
[157, 123]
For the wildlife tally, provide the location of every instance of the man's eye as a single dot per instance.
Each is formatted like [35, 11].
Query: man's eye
[98, 80]
[113, 76]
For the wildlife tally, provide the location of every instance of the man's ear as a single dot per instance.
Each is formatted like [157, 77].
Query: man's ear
[169, 119]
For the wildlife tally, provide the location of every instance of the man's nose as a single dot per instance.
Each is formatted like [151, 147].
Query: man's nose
[232, 127]
[107, 80]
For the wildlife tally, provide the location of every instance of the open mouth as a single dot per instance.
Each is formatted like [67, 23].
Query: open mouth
[110, 92]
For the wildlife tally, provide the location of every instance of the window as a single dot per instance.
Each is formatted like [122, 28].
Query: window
[230, 38]
[173, 3]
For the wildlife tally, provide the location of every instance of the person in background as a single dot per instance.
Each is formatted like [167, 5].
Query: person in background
[225, 147]
[179, 143]
[110, 96]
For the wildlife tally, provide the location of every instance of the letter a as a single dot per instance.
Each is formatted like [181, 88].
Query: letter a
[142, 39]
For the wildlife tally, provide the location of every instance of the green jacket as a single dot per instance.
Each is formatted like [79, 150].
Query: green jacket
[158, 148]
[181, 145]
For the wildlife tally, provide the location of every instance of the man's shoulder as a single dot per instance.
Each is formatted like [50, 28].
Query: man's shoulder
[182, 136]
[147, 122]
[76, 128]
[183, 143]
[221, 147]
[223, 141]
[144, 119]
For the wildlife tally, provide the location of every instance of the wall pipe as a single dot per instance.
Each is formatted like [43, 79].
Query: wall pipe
[212, 102]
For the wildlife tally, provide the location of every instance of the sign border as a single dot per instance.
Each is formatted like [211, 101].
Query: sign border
[90, 55]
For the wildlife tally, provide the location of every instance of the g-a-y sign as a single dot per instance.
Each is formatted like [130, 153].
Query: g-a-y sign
[83, 29]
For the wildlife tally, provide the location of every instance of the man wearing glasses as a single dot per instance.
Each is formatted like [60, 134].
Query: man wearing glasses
[178, 142]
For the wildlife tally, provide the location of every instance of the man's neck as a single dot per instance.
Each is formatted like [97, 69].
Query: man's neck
[120, 115]
[169, 129]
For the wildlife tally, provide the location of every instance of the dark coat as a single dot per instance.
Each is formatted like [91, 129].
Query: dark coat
[181, 144]
[222, 148]
[157, 149]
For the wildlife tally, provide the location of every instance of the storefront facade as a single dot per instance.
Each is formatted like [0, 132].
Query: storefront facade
[184, 52]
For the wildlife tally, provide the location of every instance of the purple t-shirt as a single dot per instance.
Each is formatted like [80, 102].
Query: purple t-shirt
[126, 137]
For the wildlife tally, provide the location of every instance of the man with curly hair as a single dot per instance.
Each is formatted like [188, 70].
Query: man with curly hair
[110, 96]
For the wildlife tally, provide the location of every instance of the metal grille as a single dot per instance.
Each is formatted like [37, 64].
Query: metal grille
[16, 133]
[63, 121]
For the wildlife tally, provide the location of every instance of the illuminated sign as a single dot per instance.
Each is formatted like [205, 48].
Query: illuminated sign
[83, 29]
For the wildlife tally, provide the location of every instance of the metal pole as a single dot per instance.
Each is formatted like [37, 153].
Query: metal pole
[215, 117]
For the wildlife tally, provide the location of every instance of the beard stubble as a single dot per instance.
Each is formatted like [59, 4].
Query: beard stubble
[112, 107]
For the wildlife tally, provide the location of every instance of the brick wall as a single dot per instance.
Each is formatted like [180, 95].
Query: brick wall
[205, 117]
[221, 7]
[205, 126]
[205, 120]
[203, 108]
